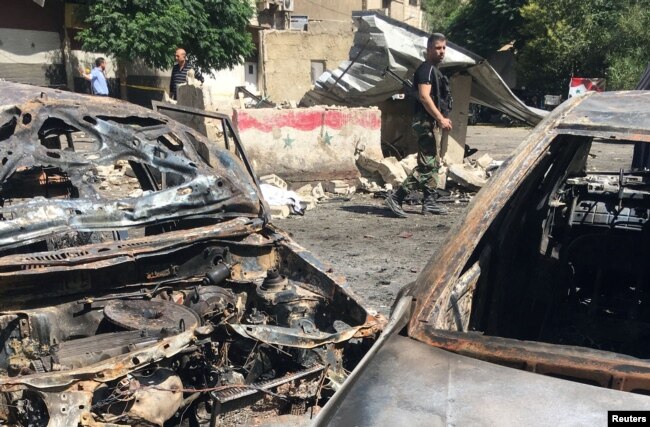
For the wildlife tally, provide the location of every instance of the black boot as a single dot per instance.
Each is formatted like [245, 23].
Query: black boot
[430, 206]
[394, 201]
[469, 151]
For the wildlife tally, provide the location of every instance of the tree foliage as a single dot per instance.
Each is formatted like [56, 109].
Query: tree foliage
[213, 32]
[555, 39]
[483, 26]
[564, 38]
[440, 13]
[630, 52]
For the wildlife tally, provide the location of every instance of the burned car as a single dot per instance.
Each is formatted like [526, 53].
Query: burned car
[160, 295]
[536, 310]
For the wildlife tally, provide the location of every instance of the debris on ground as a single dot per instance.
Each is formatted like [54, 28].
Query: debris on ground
[381, 175]
[284, 202]
[409, 163]
[318, 191]
[389, 168]
[367, 185]
[470, 176]
[378, 176]
[338, 186]
[274, 180]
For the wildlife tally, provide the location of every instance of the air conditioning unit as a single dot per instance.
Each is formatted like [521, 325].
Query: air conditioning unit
[287, 5]
[267, 4]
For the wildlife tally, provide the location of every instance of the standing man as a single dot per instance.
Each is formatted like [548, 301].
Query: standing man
[430, 119]
[98, 85]
[179, 72]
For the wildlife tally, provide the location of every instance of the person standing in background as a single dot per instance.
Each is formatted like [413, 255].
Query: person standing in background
[179, 72]
[98, 85]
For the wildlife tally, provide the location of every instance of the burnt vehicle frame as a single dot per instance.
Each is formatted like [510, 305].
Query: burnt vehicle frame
[535, 308]
[179, 304]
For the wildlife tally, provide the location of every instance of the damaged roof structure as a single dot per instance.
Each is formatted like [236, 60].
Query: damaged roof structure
[382, 42]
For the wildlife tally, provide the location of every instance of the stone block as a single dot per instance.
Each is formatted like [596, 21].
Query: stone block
[389, 168]
[471, 178]
[368, 185]
[274, 180]
[305, 190]
[318, 191]
[336, 186]
[308, 202]
[280, 211]
[484, 161]
[409, 163]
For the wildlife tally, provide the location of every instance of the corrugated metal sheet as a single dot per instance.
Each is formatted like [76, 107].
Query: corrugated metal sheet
[382, 42]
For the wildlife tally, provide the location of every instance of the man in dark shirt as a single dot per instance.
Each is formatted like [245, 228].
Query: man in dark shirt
[430, 119]
[179, 72]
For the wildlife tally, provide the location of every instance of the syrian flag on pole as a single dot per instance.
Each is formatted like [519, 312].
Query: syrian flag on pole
[580, 85]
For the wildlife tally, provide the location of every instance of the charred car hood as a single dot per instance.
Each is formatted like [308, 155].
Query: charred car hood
[415, 384]
[53, 145]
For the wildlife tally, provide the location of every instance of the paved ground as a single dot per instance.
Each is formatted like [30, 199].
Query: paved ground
[379, 253]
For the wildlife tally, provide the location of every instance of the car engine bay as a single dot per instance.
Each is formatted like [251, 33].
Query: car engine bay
[242, 331]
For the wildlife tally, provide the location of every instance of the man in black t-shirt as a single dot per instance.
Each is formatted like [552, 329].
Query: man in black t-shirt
[430, 119]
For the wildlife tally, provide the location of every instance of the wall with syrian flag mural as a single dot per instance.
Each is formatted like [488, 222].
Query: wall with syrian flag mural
[580, 85]
[309, 144]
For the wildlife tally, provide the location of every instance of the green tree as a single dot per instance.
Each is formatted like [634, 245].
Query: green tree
[629, 55]
[440, 13]
[483, 26]
[555, 39]
[563, 38]
[213, 32]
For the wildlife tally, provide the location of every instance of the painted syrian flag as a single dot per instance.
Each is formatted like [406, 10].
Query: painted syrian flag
[580, 85]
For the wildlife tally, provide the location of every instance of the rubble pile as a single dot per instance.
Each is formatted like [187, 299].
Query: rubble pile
[381, 175]
[284, 202]
[115, 180]
[377, 176]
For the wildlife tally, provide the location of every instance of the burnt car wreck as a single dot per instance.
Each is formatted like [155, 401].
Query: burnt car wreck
[176, 305]
[535, 311]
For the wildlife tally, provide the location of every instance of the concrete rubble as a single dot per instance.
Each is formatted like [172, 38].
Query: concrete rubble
[116, 179]
[338, 186]
[274, 180]
[389, 168]
[377, 176]
[469, 176]
[409, 163]
[284, 202]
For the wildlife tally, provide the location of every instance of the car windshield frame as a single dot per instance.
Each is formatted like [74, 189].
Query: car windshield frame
[207, 179]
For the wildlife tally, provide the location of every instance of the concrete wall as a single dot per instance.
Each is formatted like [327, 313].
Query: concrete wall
[287, 55]
[404, 11]
[330, 10]
[396, 131]
[309, 144]
[30, 43]
[341, 10]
